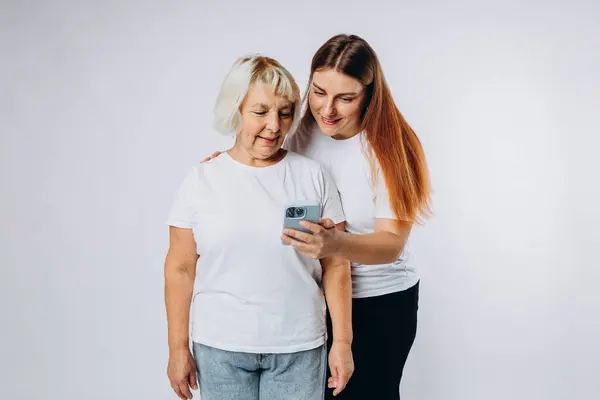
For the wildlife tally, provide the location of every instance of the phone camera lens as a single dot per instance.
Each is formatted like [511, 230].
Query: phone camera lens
[295, 212]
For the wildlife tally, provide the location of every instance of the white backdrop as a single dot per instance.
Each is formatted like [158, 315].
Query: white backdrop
[104, 104]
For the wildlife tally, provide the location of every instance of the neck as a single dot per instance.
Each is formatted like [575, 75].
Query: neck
[344, 135]
[240, 154]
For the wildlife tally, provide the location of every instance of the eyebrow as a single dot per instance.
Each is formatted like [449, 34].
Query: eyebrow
[339, 94]
[267, 107]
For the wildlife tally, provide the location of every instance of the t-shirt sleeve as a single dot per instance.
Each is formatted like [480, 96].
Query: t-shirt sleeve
[332, 205]
[383, 208]
[180, 215]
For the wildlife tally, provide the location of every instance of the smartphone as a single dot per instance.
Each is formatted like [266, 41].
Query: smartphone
[301, 211]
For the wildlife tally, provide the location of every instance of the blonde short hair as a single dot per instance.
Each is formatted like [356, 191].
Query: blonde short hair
[244, 72]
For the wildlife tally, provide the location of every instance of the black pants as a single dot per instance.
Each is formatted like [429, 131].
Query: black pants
[384, 330]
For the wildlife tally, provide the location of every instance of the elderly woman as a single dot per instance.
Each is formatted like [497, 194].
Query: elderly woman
[258, 306]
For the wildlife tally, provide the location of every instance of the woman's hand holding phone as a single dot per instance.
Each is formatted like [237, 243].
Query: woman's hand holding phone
[323, 241]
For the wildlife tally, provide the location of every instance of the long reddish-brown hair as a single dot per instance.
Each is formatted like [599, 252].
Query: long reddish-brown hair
[393, 142]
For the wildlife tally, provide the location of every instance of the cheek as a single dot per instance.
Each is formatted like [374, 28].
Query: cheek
[315, 102]
[252, 126]
[285, 124]
[351, 111]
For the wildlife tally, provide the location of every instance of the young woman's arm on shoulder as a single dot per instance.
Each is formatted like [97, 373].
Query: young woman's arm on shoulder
[214, 155]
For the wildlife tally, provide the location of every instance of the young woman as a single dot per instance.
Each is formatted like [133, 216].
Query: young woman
[354, 129]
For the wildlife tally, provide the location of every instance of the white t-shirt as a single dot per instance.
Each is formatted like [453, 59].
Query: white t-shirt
[349, 165]
[253, 294]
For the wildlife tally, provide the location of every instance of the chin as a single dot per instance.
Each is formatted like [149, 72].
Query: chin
[269, 154]
[328, 130]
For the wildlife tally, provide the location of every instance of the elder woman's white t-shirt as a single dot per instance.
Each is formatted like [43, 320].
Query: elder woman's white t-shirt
[253, 294]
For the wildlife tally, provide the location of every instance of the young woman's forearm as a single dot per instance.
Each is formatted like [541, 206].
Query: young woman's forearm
[370, 249]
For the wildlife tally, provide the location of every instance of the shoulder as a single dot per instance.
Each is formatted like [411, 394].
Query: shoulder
[192, 174]
[200, 171]
[214, 164]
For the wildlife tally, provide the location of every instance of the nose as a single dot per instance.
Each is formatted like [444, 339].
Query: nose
[273, 122]
[329, 109]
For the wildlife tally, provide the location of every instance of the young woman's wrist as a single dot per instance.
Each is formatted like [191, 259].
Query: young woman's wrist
[339, 243]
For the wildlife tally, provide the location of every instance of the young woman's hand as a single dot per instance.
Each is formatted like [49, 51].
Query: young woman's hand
[214, 155]
[323, 242]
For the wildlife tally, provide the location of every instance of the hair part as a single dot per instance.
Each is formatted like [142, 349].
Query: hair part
[393, 143]
[243, 74]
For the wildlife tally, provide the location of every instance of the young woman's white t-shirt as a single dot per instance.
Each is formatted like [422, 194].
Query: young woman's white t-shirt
[362, 201]
[252, 293]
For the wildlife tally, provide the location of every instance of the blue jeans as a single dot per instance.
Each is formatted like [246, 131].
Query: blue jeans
[225, 375]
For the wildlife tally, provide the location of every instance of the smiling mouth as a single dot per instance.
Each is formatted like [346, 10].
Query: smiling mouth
[329, 122]
[269, 140]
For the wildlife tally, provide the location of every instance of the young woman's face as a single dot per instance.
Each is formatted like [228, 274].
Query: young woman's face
[266, 119]
[336, 102]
